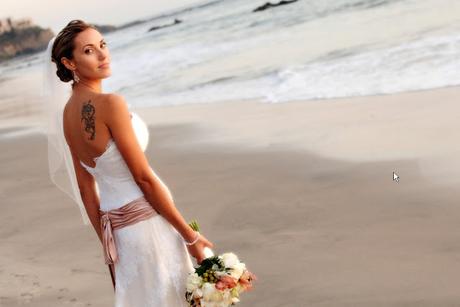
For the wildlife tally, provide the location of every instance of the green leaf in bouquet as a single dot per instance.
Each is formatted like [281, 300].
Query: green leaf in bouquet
[207, 264]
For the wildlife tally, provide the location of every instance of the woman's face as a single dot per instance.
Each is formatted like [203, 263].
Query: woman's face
[91, 56]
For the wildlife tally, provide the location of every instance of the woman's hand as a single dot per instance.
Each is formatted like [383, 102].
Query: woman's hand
[197, 249]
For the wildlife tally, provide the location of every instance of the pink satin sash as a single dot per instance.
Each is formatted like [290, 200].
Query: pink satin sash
[135, 211]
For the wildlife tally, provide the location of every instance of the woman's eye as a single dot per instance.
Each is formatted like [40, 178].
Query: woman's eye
[103, 45]
[88, 51]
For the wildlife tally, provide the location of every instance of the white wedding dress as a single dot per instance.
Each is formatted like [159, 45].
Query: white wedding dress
[153, 261]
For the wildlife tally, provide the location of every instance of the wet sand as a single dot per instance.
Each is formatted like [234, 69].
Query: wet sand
[301, 191]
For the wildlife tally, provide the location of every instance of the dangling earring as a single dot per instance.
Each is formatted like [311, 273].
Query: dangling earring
[75, 77]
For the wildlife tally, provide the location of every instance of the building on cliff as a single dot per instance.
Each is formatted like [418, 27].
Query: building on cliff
[8, 24]
[21, 36]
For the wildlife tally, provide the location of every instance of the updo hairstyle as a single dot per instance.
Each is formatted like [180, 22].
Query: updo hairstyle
[63, 46]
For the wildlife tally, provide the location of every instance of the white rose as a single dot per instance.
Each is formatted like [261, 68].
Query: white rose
[235, 300]
[210, 293]
[193, 282]
[229, 259]
[237, 270]
[197, 293]
[227, 297]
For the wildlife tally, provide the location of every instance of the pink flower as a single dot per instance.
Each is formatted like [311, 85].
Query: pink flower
[225, 281]
[245, 280]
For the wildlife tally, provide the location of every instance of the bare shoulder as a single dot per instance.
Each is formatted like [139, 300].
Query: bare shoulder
[115, 107]
[114, 102]
[113, 98]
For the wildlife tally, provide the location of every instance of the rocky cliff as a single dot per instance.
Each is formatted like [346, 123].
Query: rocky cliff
[23, 41]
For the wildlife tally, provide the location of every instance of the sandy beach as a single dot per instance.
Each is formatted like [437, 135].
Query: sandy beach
[301, 191]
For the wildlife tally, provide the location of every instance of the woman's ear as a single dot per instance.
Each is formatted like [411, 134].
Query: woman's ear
[68, 63]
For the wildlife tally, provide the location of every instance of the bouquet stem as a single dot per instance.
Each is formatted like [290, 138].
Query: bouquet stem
[207, 251]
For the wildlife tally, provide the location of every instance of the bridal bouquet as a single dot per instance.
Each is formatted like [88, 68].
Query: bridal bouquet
[218, 281]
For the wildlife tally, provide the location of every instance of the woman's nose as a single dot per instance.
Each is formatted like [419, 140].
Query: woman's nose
[103, 54]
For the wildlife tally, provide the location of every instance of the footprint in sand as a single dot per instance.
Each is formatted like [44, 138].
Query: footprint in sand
[29, 284]
[26, 297]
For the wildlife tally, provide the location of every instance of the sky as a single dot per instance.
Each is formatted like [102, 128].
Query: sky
[55, 14]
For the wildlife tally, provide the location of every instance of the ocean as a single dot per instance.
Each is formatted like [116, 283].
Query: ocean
[315, 49]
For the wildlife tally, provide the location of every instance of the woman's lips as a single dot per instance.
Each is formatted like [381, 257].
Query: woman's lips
[105, 65]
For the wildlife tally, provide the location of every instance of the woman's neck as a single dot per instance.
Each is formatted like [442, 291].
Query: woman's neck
[92, 85]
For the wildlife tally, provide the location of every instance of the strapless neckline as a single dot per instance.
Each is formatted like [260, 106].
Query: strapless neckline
[107, 147]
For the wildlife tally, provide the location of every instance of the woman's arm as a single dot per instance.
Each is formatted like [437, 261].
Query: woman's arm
[88, 193]
[91, 201]
[158, 194]
[118, 120]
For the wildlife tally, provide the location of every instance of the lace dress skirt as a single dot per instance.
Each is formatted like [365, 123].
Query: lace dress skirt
[153, 265]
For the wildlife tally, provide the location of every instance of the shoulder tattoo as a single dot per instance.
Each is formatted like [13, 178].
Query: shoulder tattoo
[87, 115]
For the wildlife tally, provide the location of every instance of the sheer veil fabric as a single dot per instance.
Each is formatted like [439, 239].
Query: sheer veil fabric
[60, 165]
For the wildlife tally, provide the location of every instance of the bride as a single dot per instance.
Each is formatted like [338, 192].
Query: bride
[146, 241]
